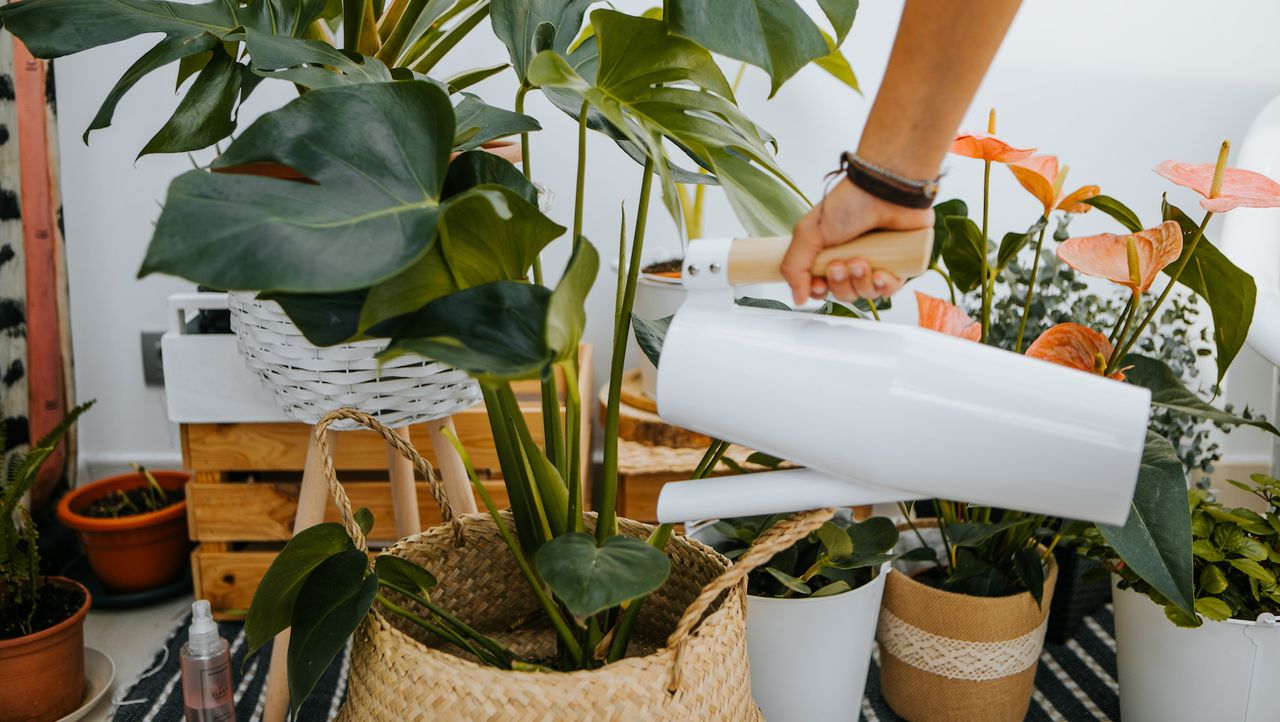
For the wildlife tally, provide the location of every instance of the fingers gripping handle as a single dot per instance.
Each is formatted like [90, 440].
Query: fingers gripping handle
[905, 254]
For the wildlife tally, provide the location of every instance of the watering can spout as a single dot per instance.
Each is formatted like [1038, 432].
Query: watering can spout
[887, 412]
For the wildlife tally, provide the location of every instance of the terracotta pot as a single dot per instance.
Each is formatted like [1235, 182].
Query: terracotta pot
[131, 553]
[947, 657]
[43, 673]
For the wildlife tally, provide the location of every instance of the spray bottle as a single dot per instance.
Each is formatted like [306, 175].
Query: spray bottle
[206, 669]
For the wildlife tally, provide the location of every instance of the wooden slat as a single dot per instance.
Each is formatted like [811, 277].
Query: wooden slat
[228, 579]
[264, 511]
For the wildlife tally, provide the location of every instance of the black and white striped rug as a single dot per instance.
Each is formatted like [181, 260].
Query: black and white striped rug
[1076, 682]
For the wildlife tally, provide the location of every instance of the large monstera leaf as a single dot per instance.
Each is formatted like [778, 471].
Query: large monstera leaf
[641, 87]
[54, 28]
[375, 156]
[505, 329]
[775, 35]
[529, 26]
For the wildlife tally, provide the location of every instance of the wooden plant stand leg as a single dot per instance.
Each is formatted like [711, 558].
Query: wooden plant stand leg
[404, 497]
[313, 497]
[457, 486]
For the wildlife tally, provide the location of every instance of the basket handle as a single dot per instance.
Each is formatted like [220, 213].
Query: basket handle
[776, 539]
[406, 449]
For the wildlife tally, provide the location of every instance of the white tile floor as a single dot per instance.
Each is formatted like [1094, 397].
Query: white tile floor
[130, 638]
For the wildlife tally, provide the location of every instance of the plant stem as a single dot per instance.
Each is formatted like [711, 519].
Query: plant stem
[458, 626]
[1121, 352]
[607, 524]
[906, 514]
[875, 313]
[1131, 311]
[951, 285]
[450, 39]
[548, 605]
[526, 165]
[1121, 320]
[446, 634]
[573, 437]
[582, 172]
[986, 282]
[1031, 289]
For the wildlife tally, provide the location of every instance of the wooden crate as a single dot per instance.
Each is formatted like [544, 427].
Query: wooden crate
[246, 479]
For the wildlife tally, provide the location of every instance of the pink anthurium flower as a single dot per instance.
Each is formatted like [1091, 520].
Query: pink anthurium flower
[1074, 346]
[938, 315]
[1236, 188]
[1108, 256]
[985, 146]
[1039, 174]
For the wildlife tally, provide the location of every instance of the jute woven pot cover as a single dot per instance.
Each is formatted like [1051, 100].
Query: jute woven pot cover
[689, 642]
[947, 657]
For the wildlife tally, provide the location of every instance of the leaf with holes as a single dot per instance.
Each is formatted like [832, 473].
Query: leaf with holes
[375, 155]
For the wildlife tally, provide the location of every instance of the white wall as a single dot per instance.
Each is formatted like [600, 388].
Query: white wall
[1111, 88]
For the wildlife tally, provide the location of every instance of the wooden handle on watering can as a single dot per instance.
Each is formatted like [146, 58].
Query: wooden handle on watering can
[905, 254]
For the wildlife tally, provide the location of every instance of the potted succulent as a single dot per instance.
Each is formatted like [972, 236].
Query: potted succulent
[1217, 663]
[41, 617]
[375, 231]
[827, 588]
[133, 527]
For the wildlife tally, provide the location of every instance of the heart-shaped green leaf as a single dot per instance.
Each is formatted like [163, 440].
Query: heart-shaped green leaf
[516, 24]
[953, 207]
[874, 536]
[272, 609]
[835, 541]
[331, 604]
[1230, 292]
[588, 578]
[962, 250]
[376, 154]
[1155, 541]
[494, 331]
[1168, 392]
[403, 573]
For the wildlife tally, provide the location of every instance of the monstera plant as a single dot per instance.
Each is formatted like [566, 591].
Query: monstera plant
[365, 210]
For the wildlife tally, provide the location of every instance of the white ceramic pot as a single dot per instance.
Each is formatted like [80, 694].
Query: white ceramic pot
[1221, 671]
[809, 657]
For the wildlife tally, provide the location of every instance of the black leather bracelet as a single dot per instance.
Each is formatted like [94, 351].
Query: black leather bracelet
[887, 185]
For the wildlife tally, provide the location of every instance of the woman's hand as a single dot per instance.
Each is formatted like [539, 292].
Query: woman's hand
[846, 213]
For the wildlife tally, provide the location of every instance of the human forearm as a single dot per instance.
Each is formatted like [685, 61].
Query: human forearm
[942, 51]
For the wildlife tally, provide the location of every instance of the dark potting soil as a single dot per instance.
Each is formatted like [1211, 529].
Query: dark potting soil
[671, 266]
[54, 604]
[129, 503]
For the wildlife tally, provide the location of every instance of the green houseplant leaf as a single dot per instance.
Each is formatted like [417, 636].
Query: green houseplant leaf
[777, 36]
[650, 335]
[588, 578]
[529, 26]
[376, 155]
[1116, 210]
[941, 234]
[330, 605]
[1168, 392]
[566, 312]
[1155, 541]
[639, 89]
[1012, 243]
[1229, 291]
[311, 63]
[54, 28]
[272, 609]
[962, 251]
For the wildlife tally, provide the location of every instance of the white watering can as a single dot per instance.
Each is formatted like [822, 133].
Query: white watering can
[881, 412]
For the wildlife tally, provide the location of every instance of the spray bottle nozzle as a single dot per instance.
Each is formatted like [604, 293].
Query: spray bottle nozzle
[203, 632]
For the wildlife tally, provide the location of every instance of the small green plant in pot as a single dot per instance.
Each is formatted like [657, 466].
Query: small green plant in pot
[826, 589]
[41, 617]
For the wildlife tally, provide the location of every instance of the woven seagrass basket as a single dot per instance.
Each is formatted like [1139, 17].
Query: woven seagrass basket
[309, 381]
[690, 653]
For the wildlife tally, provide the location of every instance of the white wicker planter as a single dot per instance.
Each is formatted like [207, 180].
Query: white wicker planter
[309, 381]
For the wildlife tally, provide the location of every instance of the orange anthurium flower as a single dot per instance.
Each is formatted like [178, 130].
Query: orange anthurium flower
[1239, 188]
[1039, 174]
[938, 315]
[1074, 346]
[1107, 255]
[985, 146]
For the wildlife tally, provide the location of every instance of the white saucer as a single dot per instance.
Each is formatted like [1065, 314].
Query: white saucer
[99, 673]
